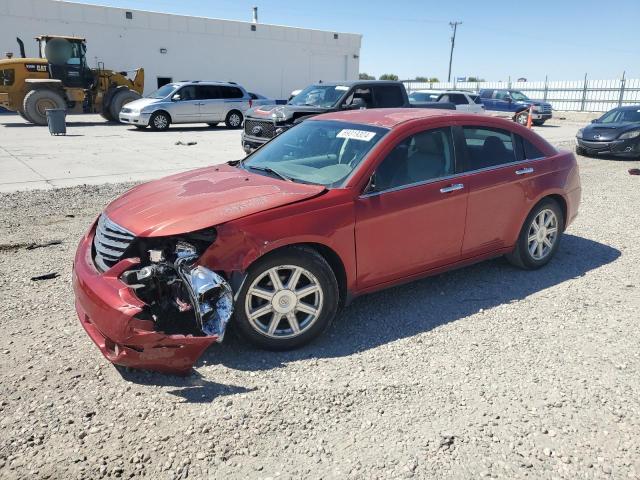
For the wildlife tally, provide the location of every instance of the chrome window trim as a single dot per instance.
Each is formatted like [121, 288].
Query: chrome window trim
[449, 177]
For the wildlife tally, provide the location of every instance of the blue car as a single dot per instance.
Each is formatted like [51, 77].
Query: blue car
[517, 103]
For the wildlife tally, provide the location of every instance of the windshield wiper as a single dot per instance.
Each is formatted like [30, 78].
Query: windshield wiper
[272, 171]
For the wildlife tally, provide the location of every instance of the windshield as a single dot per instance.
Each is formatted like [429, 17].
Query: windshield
[518, 96]
[315, 151]
[164, 91]
[319, 96]
[621, 115]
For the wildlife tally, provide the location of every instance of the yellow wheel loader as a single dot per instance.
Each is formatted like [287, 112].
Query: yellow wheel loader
[60, 78]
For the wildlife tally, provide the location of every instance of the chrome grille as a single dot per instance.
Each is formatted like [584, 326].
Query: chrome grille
[267, 129]
[110, 242]
[545, 108]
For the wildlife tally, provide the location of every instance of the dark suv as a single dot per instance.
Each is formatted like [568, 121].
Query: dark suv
[517, 103]
[265, 122]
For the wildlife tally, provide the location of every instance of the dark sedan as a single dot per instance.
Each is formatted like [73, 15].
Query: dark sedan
[617, 132]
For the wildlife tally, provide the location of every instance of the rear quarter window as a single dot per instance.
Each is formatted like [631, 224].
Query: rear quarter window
[388, 96]
[530, 150]
[231, 92]
[7, 77]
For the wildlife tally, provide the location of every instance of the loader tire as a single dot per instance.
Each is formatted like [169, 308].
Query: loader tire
[107, 116]
[119, 100]
[36, 102]
[24, 115]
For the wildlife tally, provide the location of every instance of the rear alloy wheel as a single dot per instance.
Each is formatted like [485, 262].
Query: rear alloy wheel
[234, 119]
[37, 102]
[159, 121]
[540, 236]
[287, 300]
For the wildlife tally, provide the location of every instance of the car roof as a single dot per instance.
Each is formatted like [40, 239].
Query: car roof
[628, 107]
[205, 82]
[391, 117]
[350, 83]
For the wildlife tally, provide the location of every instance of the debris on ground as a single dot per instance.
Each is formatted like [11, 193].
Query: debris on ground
[180, 142]
[33, 246]
[46, 276]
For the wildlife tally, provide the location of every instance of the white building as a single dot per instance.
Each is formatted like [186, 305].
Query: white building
[268, 59]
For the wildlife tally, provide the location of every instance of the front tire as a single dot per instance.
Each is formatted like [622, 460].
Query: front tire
[36, 103]
[159, 121]
[234, 119]
[538, 123]
[581, 151]
[540, 236]
[287, 300]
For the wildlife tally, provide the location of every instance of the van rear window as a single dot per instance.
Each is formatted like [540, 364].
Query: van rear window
[7, 77]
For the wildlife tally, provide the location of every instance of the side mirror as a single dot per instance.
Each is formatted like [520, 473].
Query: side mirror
[356, 104]
[508, 99]
[176, 97]
[595, 120]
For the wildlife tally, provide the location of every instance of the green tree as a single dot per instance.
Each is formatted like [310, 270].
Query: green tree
[434, 79]
[366, 76]
[475, 79]
[388, 76]
[422, 79]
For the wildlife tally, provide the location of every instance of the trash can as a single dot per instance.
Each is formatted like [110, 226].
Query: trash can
[56, 119]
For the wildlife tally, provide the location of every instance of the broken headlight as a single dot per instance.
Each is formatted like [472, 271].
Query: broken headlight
[181, 296]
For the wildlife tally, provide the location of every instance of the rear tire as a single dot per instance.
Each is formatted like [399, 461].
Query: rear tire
[107, 116]
[24, 116]
[291, 317]
[234, 119]
[540, 236]
[159, 121]
[36, 102]
[119, 100]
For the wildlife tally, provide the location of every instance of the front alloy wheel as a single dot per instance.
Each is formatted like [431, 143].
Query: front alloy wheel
[284, 301]
[287, 299]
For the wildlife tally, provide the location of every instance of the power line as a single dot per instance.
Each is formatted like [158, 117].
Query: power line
[453, 25]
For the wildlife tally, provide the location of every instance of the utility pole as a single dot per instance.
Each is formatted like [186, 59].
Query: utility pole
[453, 25]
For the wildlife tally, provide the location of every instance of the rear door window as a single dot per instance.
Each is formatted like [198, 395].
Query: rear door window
[488, 147]
[530, 150]
[388, 96]
[458, 99]
[209, 92]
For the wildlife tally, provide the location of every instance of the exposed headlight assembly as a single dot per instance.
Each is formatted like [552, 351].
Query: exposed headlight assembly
[579, 134]
[630, 135]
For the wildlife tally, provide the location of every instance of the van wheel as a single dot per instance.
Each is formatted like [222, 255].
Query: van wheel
[159, 121]
[119, 100]
[540, 236]
[234, 119]
[37, 102]
[288, 299]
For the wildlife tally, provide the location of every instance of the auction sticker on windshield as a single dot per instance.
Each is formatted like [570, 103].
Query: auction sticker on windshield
[363, 135]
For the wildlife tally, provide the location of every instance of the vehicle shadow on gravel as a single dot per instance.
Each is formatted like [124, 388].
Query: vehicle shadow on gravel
[420, 306]
[193, 388]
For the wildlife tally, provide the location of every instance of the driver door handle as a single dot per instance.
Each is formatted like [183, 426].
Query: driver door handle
[452, 188]
[524, 171]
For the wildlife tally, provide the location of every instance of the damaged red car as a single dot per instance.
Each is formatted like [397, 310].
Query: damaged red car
[341, 205]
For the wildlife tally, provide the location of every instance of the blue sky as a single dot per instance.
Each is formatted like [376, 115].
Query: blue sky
[563, 39]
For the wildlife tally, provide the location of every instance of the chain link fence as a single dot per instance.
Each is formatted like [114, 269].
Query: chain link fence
[580, 95]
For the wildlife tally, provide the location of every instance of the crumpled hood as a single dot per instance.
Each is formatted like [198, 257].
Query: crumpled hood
[202, 198]
[282, 112]
[607, 131]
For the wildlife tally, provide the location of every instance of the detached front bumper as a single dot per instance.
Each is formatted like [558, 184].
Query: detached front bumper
[107, 310]
[135, 118]
[619, 148]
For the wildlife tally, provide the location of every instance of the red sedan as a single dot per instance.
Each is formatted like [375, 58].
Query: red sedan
[341, 205]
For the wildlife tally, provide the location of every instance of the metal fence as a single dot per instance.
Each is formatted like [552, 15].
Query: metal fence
[580, 95]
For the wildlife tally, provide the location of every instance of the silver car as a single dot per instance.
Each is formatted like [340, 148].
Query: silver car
[189, 102]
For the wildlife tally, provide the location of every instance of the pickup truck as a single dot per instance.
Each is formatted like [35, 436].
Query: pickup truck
[263, 123]
[516, 104]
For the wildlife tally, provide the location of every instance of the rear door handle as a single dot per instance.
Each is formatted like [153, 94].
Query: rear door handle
[524, 171]
[452, 188]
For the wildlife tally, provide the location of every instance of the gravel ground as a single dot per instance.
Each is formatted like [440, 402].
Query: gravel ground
[485, 371]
